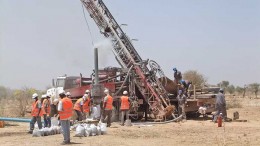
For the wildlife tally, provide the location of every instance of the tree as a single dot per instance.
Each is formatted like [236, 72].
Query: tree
[239, 90]
[223, 84]
[3, 92]
[197, 78]
[230, 89]
[23, 100]
[254, 87]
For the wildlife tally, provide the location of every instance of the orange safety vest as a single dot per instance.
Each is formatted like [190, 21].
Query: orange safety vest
[35, 109]
[86, 105]
[109, 103]
[77, 105]
[48, 111]
[67, 107]
[124, 103]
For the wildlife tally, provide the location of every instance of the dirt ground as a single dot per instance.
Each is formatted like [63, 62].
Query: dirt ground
[192, 132]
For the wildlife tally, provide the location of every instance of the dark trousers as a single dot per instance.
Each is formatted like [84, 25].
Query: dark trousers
[79, 114]
[47, 120]
[34, 120]
[106, 114]
[220, 109]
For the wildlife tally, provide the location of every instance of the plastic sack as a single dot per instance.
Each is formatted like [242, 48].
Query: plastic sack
[103, 128]
[93, 130]
[54, 121]
[36, 133]
[98, 130]
[80, 131]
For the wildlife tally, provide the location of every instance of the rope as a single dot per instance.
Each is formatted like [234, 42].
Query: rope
[91, 37]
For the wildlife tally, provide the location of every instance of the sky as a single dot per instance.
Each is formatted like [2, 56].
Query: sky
[42, 39]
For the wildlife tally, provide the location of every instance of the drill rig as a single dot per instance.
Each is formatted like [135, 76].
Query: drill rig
[145, 75]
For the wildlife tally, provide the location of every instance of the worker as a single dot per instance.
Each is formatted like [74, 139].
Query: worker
[36, 113]
[46, 106]
[78, 108]
[107, 108]
[220, 106]
[177, 76]
[86, 104]
[186, 85]
[182, 100]
[65, 108]
[125, 105]
[68, 94]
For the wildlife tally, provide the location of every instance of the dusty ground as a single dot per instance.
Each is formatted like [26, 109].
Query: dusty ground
[193, 132]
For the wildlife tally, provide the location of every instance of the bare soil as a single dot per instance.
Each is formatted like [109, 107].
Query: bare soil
[192, 132]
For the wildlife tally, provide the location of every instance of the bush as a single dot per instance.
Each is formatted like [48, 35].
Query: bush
[234, 103]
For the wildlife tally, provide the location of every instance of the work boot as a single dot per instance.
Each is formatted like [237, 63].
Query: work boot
[30, 131]
[65, 143]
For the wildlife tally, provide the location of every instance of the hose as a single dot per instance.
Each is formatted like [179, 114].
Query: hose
[173, 120]
[124, 80]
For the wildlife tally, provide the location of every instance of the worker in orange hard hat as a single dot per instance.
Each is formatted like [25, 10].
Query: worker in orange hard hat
[125, 105]
[107, 108]
[36, 113]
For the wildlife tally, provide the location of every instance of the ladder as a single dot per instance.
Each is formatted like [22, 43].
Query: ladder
[126, 55]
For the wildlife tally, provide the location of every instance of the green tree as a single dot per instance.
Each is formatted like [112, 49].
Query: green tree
[254, 87]
[230, 89]
[223, 84]
[239, 90]
[23, 100]
[197, 78]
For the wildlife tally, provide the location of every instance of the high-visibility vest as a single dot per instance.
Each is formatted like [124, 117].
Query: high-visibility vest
[124, 103]
[67, 107]
[86, 105]
[77, 105]
[35, 109]
[46, 101]
[109, 103]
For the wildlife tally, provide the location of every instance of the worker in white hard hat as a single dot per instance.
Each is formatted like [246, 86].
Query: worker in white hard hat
[125, 106]
[87, 104]
[68, 94]
[65, 108]
[107, 108]
[36, 113]
[46, 106]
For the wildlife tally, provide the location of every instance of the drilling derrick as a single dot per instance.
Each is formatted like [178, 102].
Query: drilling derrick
[147, 73]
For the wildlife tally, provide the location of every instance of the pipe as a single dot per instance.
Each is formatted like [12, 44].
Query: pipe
[173, 120]
[96, 65]
[15, 119]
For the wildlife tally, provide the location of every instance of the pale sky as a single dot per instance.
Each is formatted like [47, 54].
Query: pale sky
[42, 39]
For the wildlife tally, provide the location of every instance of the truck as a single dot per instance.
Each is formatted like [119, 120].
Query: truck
[152, 94]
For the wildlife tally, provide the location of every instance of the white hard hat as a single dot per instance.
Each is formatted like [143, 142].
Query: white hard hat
[44, 96]
[106, 91]
[68, 94]
[48, 95]
[87, 91]
[61, 92]
[125, 92]
[34, 95]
